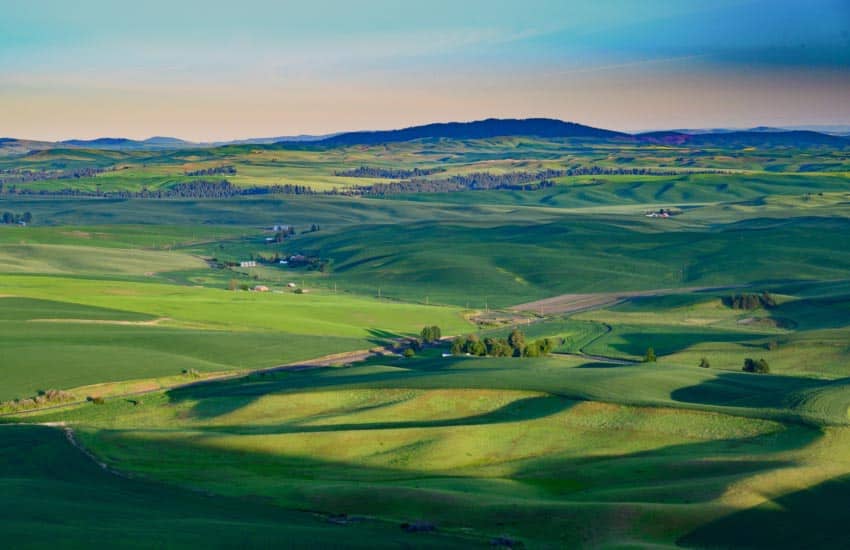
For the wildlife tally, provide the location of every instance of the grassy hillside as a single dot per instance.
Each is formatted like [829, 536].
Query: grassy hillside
[62, 333]
[79, 504]
[112, 297]
[550, 452]
[517, 262]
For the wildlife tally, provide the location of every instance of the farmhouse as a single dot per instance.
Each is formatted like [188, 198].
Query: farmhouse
[248, 263]
[661, 213]
[261, 288]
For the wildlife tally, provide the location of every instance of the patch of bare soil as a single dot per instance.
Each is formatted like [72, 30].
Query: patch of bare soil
[573, 303]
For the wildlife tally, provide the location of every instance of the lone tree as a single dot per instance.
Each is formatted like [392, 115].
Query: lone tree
[758, 367]
[649, 356]
[517, 341]
[704, 363]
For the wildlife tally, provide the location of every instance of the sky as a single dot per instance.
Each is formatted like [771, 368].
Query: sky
[208, 70]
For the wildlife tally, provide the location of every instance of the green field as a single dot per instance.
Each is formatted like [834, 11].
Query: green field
[88, 506]
[59, 333]
[543, 450]
[138, 301]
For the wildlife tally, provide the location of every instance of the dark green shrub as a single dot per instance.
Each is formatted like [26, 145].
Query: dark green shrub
[758, 367]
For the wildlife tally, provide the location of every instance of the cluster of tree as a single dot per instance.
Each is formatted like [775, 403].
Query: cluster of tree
[16, 175]
[221, 189]
[521, 181]
[389, 173]
[312, 263]
[538, 348]
[313, 228]
[200, 189]
[216, 171]
[416, 182]
[525, 181]
[10, 218]
[281, 234]
[512, 346]
[759, 367]
[750, 301]
[431, 334]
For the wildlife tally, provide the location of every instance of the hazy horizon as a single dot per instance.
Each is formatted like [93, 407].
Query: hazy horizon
[825, 128]
[207, 73]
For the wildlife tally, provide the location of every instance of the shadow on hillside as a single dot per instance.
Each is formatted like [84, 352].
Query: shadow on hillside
[222, 397]
[530, 408]
[666, 343]
[781, 396]
[601, 365]
[701, 471]
[816, 517]
[380, 337]
[555, 498]
[815, 313]
[59, 496]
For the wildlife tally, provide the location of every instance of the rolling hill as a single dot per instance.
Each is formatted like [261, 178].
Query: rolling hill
[480, 129]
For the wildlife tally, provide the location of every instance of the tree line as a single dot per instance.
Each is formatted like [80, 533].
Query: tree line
[15, 175]
[218, 189]
[512, 346]
[9, 218]
[388, 173]
[517, 181]
[200, 189]
[228, 170]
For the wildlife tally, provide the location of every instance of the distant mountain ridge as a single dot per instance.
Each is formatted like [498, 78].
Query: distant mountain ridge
[479, 129]
[758, 137]
[553, 128]
[157, 142]
[762, 136]
[163, 142]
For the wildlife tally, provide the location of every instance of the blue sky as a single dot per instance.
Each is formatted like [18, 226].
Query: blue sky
[211, 70]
